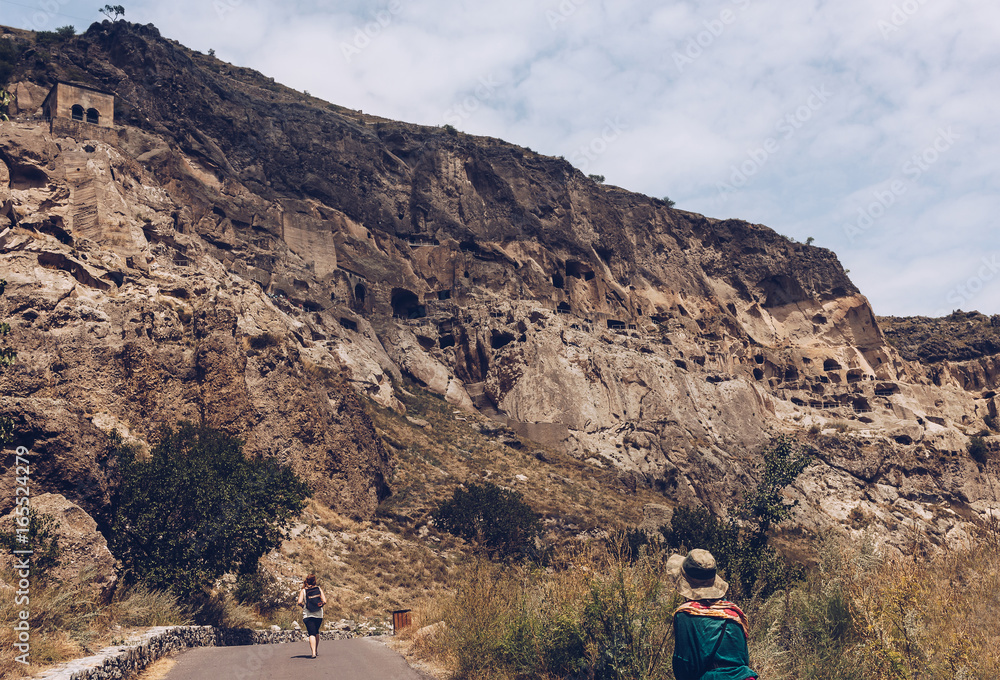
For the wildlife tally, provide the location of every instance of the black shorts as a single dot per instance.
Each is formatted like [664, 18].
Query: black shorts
[312, 625]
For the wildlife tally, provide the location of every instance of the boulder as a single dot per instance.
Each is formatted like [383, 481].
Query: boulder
[84, 557]
[655, 516]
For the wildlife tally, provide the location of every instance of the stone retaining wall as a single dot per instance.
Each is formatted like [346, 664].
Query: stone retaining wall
[127, 660]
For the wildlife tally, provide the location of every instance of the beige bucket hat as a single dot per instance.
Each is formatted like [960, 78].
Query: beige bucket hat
[696, 575]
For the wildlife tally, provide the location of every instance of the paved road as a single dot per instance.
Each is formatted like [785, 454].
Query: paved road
[357, 659]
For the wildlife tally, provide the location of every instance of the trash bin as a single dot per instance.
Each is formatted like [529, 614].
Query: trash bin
[400, 620]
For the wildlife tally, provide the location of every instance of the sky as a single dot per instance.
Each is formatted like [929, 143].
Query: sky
[870, 126]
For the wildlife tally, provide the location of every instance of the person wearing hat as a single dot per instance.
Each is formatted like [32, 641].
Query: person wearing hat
[710, 633]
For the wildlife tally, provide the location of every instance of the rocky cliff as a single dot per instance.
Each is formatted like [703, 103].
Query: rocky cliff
[236, 252]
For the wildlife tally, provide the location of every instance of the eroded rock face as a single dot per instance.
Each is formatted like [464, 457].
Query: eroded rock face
[83, 551]
[110, 337]
[239, 255]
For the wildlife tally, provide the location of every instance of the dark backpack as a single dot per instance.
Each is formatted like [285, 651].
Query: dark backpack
[313, 597]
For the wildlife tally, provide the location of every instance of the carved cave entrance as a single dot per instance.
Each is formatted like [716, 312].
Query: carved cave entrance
[406, 304]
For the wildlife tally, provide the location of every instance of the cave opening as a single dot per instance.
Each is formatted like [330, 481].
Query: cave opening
[501, 339]
[406, 304]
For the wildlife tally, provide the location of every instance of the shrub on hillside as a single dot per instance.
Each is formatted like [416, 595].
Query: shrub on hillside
[198, 508]
[261, 590]
[41, 538]
[58, 35]
[10, 52]
[978, 450]
[494, 520]
[606, 618]
[740, 542]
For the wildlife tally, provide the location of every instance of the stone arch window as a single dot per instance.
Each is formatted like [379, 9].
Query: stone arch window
[77, 112]
[360, 293]
[93, 116]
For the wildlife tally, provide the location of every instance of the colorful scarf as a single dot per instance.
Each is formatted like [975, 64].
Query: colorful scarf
[721, 609]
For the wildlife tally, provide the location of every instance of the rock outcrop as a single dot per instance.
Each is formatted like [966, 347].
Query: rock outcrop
[83, 551]
[237, 253]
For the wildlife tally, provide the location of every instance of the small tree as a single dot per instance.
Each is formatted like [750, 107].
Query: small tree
[740, 543]
[597, 178]
[113, 12]
[494, 520]
[667, 201]
[978, 449]
[695, 527]
[60, 34]
[198, 508]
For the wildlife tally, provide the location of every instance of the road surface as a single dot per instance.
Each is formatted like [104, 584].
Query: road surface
[356, 659]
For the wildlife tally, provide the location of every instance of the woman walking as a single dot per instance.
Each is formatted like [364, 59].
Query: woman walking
[710, 633]
[311, 599]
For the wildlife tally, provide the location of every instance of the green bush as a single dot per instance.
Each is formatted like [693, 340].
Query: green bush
[42, 538]
[632, 542]
[494, 520]
[7, 353]
[978, 450]
[695, 527]
[197, 509]
[10, 52]
[58, 35]
[626, 625]
[261, 590]
[740, 543]
[601, 617]
[264, 340]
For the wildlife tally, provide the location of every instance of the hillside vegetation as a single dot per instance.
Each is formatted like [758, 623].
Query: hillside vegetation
[960, 336]
[861, 614]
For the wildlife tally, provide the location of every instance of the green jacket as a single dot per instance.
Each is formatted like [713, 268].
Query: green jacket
[694, 639]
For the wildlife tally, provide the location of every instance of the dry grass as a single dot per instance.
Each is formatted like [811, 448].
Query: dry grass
[573, 497]
[859, 615]
[157, 670]
[68, 622]
[592, 615]
[864, 614]
[399, 560]
[366, 570]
